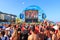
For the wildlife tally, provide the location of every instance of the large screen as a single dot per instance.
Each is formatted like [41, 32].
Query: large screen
[31, 14]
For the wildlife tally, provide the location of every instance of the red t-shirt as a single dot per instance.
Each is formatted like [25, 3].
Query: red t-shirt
[23, 29]
[36, 30]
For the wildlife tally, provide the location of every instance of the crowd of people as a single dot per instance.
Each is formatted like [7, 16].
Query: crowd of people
[23, 31]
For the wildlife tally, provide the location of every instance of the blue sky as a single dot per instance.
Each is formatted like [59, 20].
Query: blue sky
[50, 7]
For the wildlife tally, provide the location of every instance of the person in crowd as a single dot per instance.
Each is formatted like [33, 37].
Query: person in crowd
[33, 36]
[25, 33]
[4, 26]
[42, 29]
[51, 25]
[41, 32]
[54, 36]
[2, 33]
[47, 35]
[17, 26]
[19, 34]
[58, 34]
[36, 29]
[11, 29]
[1, 28]
[6, 34]
[0, 36]
[14, 34]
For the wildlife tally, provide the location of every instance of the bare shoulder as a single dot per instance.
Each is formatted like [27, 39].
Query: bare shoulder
[30, 37]
[36, 37]
[33, 37]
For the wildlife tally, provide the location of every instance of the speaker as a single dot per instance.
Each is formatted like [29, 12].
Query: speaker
[21, 16]
[43, 16]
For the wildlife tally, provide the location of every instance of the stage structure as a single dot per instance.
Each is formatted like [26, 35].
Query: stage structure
[32, 14]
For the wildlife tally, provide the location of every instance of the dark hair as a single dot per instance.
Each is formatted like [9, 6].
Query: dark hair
[52, 29]
[33, 28]
[9, 25]
[14, 26]
[59, 28]
[19, 29]
[3, 33]
[47, 28]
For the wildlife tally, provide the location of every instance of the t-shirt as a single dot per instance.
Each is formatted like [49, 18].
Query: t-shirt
[1, 26]
[36, 30]
[23, 29]
[3, 38]
[6, 37]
